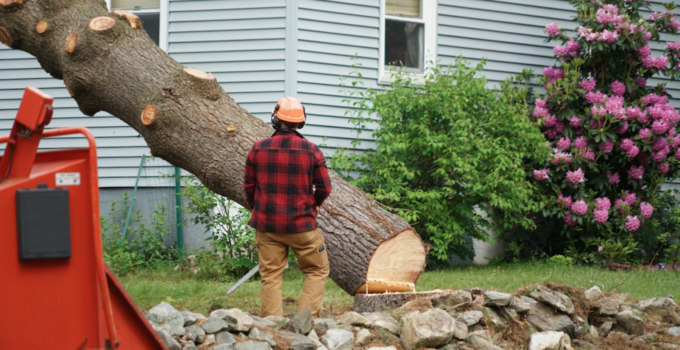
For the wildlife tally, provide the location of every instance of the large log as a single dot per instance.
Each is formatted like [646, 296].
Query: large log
[109, 63]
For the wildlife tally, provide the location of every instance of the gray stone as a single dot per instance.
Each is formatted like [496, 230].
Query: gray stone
[190, 346]
[482, 343]
[630, 323]
[224, 337]
[354, 319]
[520, 306]
[451, 299]
[362, 338]
[608, 306]
[549, 341]
[242, 335]
[166, 317]
[276, 319]
[484, 334]
[198, 331]
[508, 313]
[262, 322]
[294, 336]
[301, 323]
[605, 328]
[492, 298]
[628, 306]
[471, 318]
[253, 345]
[493, 319]
[673, 331]
[419, 330]
[382, 321]
[593, 293]
[592, 333]
[383, 348]
[260, 335]
[214, 325]
[647, 338]
[663, 310]
[191, 317]
[189, 336]
[582, 344]
[313, 336]
[209, 340]
[460, 331]
[668, 346]
[296, 345]
[237, 320]
[615, 334]
[338, 339]
[555, 299]
[224, 347]
[545, 318]
[322, 325]
[168, 340]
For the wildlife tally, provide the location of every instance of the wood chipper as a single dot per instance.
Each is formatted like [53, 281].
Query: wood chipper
[56, 292]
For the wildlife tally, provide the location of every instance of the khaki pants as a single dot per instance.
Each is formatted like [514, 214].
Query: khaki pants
[310, 250]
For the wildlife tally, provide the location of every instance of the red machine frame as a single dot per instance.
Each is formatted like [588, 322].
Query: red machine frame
[57, 285]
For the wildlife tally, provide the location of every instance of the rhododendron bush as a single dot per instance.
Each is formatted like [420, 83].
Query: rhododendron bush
[613, 134]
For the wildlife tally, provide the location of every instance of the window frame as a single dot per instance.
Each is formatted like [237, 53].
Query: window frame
[162, 19]
[429, 21]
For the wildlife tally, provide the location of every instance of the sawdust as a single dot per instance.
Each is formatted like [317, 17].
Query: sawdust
[619, 342]
[288, 301]
[419, 304]
[516, 333]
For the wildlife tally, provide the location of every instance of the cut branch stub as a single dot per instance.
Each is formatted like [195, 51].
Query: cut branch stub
[231, 128]
[101, 24]
[41, 27]
[71, 43]
[5, 38]
[11, 2]
[199, 74]
[135, 22]
[149, 115]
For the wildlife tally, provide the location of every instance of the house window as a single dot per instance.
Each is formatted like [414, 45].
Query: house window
[149, 12]
[408, 35]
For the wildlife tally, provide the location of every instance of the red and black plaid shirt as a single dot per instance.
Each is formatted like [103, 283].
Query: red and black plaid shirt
[282, 173]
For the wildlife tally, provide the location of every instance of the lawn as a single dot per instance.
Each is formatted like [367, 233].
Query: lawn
[187, 292]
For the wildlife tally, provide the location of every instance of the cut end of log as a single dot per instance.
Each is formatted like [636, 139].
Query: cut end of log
[395, 265]
[100, 24]
[135, 22]
[71, 43]
[5, 38]
[41, 27]
[11, 2]
[199, 73]
[231, 128]
[149, 115]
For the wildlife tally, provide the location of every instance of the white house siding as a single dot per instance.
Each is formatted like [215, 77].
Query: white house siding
[329, 34]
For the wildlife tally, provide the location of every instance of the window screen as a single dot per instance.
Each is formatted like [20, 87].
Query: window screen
[404, 44]
[403, 8]
[135, 4]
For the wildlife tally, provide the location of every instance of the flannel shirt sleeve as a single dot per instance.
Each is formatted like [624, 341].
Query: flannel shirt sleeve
[322, 182]
[250, 178]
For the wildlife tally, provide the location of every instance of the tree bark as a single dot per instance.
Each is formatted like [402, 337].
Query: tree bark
[109, 63]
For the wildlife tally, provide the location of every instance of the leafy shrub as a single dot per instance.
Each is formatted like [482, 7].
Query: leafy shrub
[142, 246]
[561, 260]
[447, 149]
[231, 240]
[613, 137]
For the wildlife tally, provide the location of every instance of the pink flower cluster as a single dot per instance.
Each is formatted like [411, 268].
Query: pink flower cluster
[569, 220]
[659, 63]
[606, 147]
[613, 178]
[618, 88]
[575, 121]
[575, 177]
[606, 36]
[595, 97]
[541, 175]
[563, 202]
[552, 29]
[646, 209]
[553, 74]
[632, 223]
[608, 14]
[581, 143]
[636, 172]
[564, 143]
[571, 49]
[587, 84]
[579, 207]
[673, 46]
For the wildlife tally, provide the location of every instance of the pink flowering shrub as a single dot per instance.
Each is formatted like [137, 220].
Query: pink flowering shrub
[614, 138]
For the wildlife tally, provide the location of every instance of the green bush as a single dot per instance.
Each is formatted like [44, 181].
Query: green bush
[142, 246]
[231, 240]
[446, 149]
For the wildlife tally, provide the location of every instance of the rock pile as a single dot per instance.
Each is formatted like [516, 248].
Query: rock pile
[538, 318]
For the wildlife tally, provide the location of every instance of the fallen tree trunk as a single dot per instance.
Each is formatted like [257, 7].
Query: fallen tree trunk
[109, 63]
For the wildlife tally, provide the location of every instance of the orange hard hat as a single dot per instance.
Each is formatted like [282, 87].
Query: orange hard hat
[289, 109]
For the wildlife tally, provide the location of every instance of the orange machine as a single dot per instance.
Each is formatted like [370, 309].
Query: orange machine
[55, 290]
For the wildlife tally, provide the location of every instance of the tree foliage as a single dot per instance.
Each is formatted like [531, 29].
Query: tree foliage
[447, 150]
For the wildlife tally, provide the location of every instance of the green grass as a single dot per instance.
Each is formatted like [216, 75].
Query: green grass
[186, 292]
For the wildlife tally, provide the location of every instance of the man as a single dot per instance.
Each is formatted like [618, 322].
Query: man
[286, 181]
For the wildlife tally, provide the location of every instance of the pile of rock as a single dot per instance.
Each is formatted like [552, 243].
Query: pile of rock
[538, 319]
